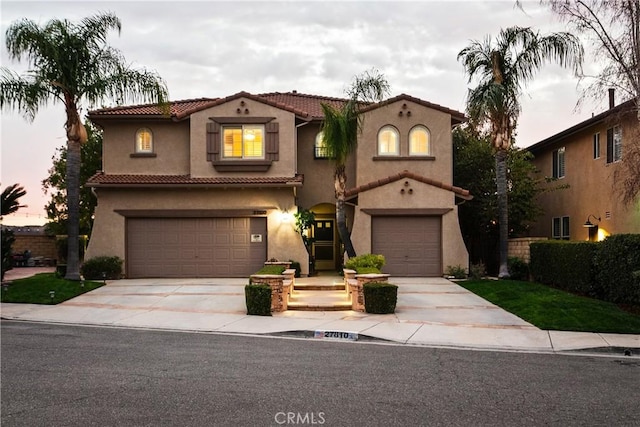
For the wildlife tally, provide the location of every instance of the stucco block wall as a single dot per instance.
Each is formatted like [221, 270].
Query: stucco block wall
[590, 186]
[170, 145]
[39, 245]
[283, 242]
[424, 196]
[520, 247]
[284, 166]
[439, 125]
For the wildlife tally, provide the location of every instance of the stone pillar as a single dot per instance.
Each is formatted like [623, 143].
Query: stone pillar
[278, 296]
[357, 296]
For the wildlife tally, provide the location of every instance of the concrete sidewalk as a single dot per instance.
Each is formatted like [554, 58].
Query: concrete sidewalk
[430, 312]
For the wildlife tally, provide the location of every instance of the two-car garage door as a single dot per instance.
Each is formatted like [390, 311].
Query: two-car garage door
[412, 245]
[195, 247]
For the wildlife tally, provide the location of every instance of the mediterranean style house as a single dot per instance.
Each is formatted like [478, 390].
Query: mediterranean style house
[210, 189]
[586, 159]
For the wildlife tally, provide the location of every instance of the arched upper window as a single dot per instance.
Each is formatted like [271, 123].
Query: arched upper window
[419, 141]
[388, 141]
[144, 141]
[320, 147]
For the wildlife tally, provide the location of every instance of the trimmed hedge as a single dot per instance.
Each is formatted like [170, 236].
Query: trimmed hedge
[258, 299]
[271, 269]
[617, 262]
[565, 265]
[365, 261]
[93, 268]
[380, 297]
[296, 266]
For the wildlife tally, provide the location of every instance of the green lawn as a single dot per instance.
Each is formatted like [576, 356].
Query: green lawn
[36, 289]
[553, 309]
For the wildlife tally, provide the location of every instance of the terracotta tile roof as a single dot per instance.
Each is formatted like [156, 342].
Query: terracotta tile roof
[304, 102]
[179, 109]
[456, 116]
[113, 180]
[460, 192]
[305, 106]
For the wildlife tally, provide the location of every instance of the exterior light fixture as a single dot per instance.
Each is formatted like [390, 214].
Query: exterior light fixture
[589, 224]
[52, 294]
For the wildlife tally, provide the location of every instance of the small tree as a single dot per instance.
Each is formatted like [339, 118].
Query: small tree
[9, 200]
[304, 225]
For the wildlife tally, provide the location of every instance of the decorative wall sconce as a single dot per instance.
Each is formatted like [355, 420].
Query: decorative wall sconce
[589, 224]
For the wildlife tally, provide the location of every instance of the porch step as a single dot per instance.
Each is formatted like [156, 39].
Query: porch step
[319, 287]
[319, 300]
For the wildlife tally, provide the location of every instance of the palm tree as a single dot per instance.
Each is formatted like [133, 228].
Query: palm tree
[503, 68]
[9, 199]
[71, 63]
[341, 128]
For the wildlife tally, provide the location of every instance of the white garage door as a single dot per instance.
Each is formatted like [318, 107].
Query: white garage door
[195, 247]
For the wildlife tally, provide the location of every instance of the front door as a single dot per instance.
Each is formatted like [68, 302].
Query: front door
[324, 244]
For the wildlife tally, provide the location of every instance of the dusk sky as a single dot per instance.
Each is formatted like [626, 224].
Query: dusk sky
[216, 49]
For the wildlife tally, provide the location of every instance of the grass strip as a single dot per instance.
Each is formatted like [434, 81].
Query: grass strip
[553, 309]
[37, 289]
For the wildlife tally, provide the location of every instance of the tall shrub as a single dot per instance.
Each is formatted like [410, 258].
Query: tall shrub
[617, 262]
[565, 265]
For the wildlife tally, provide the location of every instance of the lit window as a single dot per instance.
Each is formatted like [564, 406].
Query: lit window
[558, 163]
[388, 139]
[321, 151]
[243, 142]
[561, 228]
[614, 144]
[419, 144]
[144, 141]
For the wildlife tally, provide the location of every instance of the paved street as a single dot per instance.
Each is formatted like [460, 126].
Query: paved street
[71, 375]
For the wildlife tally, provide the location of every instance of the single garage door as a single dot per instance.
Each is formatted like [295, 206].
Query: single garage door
[411, 245]
[195, 247]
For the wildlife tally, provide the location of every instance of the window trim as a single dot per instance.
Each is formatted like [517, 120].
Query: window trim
[320, 150]
[596, 145]
[138, 144]
[558, 163]
[614, 144]
[397, 145]
[428, 133]
[243, 143]
[564, 228]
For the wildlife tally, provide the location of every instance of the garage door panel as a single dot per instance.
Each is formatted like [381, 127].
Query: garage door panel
[411, 245]
[194, 247]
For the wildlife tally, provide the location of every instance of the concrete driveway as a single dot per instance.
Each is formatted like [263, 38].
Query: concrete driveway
[430, 311]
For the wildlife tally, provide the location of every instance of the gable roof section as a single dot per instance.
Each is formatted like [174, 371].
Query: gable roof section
[459, 192]
[128, 180]
[456, 116]
[305, 106]
[620, 108]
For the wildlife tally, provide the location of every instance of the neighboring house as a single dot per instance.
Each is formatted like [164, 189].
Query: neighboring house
[586, 159]
[210, 190]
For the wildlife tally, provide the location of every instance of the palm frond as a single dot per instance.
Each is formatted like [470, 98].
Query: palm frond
[9, 199]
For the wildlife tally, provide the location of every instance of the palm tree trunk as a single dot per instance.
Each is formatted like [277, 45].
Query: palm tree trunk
[503, 212]
[340, 181]
[73, 210]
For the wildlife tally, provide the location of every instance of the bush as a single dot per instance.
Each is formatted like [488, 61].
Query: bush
[258, 299]
[518, 269]
[617, 262]
[366, 260]
[296, 266]
[7, 240]
[93, 268]
[565, 265]
[477, 271]
[380, 297]
[367, 270]
[457, 271]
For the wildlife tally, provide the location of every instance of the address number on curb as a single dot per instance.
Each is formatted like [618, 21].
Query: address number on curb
[336, 335]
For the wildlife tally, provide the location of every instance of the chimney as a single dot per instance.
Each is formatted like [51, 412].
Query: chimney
[612, 98]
